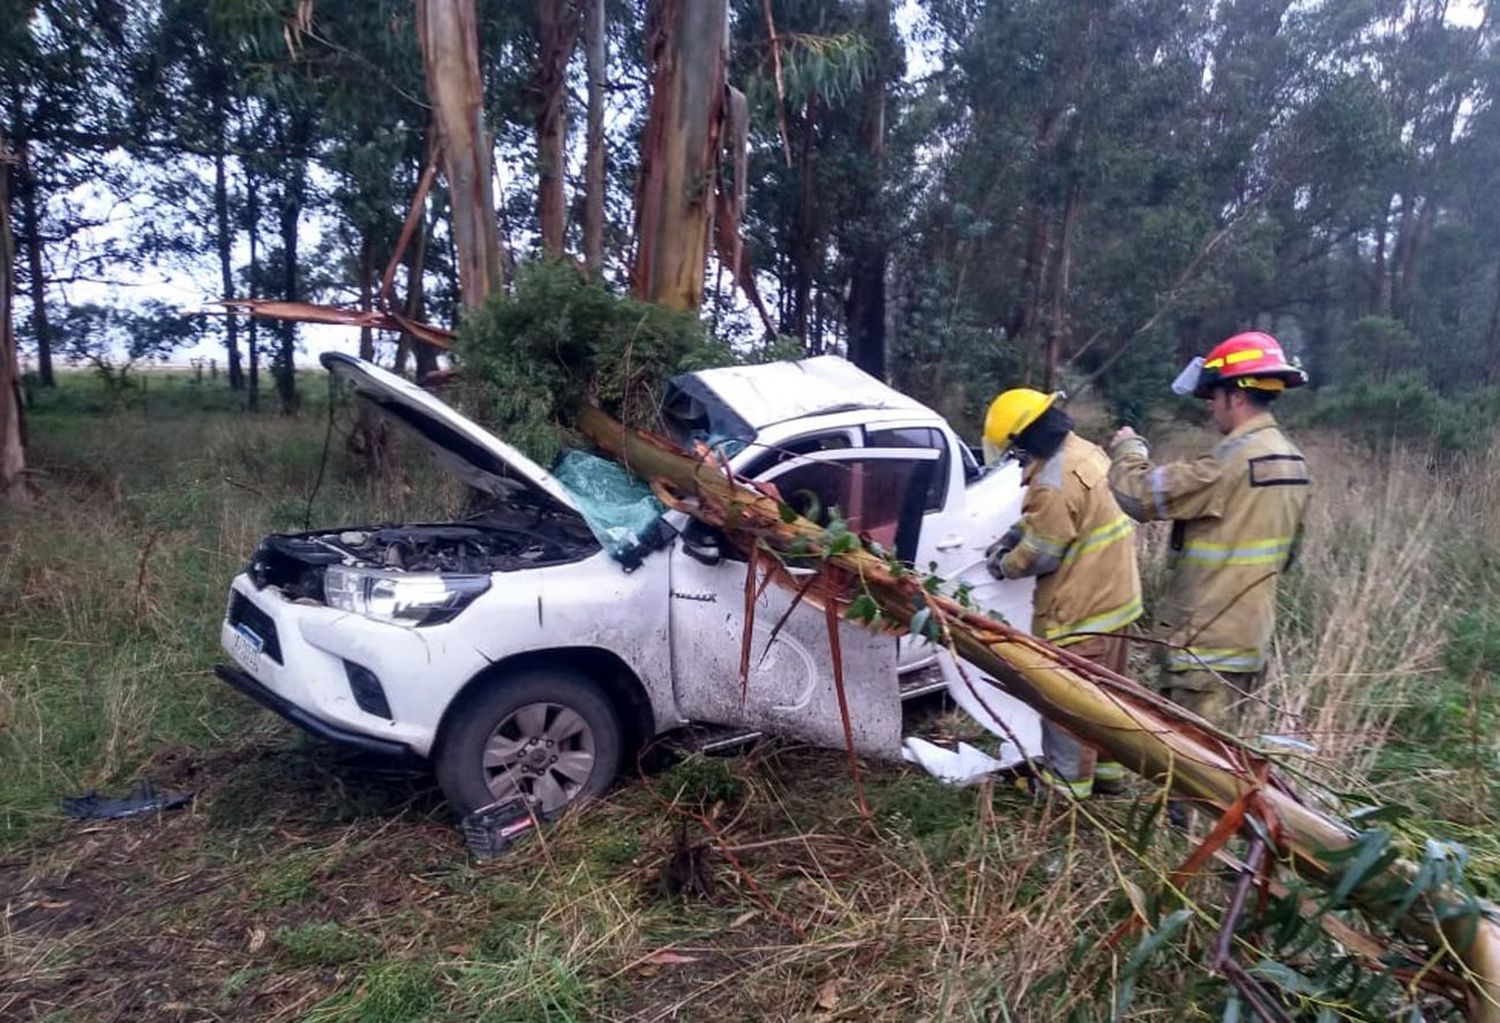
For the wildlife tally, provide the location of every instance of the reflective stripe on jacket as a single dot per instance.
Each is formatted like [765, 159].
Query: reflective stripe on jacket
[1078, 543]
[1236, 511]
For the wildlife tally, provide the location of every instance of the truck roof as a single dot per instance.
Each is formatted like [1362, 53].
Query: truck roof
[740, 401]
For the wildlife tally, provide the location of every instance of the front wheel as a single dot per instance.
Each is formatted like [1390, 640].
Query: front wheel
[550, 735]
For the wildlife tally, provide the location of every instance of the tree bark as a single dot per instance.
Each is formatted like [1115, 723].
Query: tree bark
[13, 488]
[1380, 290]
[373, 429]
[685, 51]
[864, 310]
[416, 266]
[596, 54]
[294, 194]
[1058, 330]
[449, 36]
[1492, 370]
[558, 25]
[805, 237]
[225, 242]
[36, 265]
[252, 332]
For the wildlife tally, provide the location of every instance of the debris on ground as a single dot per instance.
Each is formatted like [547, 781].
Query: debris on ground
[492, 830]
[91, 806]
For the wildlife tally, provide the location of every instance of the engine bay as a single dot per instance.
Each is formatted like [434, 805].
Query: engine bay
[506, 540]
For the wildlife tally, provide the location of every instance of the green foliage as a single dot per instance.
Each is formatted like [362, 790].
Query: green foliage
[389, 992]
[558, 340]
[1405, 407]
[702, 781]
[321, 944]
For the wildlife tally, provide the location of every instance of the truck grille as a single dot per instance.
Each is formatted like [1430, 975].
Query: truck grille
[242, 612]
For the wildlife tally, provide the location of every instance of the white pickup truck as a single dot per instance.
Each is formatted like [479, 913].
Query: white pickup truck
[518, 655]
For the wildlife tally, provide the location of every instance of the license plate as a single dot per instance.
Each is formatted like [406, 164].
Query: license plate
[246, 648]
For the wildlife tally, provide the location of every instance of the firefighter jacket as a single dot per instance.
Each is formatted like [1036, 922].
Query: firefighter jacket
[1236, 514]
[1078, 543]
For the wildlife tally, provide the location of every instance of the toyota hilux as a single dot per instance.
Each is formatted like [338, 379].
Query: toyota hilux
[525, 650]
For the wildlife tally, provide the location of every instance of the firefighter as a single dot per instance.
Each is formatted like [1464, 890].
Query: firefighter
[1080, 546]
[1236, 516]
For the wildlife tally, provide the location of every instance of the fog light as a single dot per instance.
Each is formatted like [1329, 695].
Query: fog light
[368, 693]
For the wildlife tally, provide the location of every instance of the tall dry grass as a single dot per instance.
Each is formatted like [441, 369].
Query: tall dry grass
[1393, 554]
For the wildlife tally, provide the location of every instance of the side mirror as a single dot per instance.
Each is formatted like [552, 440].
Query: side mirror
[702, 544]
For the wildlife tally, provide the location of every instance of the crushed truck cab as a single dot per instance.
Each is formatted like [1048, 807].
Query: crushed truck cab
[533, 647]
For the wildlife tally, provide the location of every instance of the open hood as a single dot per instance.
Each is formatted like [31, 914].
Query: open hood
[477, 456]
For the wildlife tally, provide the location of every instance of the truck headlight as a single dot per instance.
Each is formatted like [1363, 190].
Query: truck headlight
[402, 598]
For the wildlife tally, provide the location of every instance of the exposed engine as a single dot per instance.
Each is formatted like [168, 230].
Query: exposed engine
[498, 542]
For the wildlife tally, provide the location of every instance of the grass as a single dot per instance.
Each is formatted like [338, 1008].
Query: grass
[305, 883]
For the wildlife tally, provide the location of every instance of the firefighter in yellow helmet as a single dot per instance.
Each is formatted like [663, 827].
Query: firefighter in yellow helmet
[1236, 513]
[1080, 546]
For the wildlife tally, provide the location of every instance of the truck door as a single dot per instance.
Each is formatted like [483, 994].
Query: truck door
[790, 690]
[963, 512]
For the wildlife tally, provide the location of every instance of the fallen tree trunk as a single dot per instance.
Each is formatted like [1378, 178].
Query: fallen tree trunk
[1158, 740]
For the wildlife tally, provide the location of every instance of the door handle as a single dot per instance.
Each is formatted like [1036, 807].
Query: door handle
[948, 543]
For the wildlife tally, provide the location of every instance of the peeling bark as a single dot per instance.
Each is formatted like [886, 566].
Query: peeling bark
[449, 36]
[597, 59]
[558, 26]
[686, 42]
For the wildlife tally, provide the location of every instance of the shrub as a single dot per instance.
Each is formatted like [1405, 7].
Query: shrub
[559, 339]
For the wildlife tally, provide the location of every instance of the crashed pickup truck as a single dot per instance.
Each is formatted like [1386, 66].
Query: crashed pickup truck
[524, 650]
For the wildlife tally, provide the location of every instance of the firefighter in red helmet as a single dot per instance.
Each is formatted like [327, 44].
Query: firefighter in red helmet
[1236, 514]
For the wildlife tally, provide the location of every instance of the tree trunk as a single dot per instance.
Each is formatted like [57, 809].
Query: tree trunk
[1058, 330]
[864, 310]
[416, 266]
[1492, 364]
[1400, 255]
[13, 488]
[679, 150]
[373, 429]
[597, 61]
[805, 237]
[558, 24]
[449, 37]
[36, 264]
[1380, 291]
[252, 332]
[294, 194]
[226, 263]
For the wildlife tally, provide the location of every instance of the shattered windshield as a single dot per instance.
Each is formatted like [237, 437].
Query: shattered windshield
[619, 508]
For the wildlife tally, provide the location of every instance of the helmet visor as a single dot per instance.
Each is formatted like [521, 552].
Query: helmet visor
[1187, 380]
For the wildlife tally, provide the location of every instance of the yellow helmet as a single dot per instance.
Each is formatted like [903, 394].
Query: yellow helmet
[1012, 412]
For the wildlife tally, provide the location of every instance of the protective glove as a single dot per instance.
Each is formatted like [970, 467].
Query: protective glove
[1000, 548]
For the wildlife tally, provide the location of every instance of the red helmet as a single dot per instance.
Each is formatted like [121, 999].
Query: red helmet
[1253, 360]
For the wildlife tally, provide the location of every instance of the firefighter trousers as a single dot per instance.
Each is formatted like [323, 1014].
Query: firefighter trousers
[1073, 765]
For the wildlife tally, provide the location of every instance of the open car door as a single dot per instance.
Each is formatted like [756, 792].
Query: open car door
[879, 492]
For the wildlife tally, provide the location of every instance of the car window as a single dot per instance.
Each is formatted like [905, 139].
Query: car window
[869, 493]
[771, 457]
[926, 437]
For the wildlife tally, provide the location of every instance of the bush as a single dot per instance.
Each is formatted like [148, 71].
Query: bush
[1405, 407]
[558, 339]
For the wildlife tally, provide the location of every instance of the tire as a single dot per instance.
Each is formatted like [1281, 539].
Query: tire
[510, 724]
